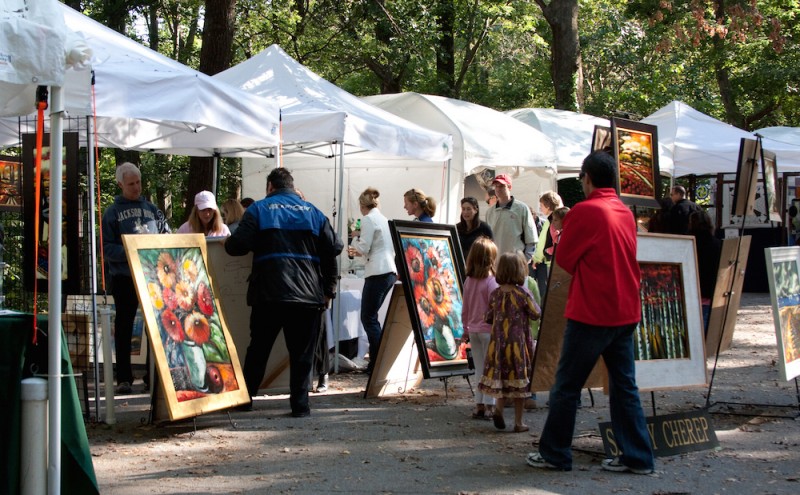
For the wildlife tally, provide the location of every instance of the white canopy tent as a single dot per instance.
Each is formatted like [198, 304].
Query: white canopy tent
[333, 141]
[570, 132]
[482, 139]
[146, 101]
[691, 142]
[785, 143]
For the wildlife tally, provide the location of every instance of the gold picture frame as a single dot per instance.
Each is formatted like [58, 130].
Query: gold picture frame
[194, 354]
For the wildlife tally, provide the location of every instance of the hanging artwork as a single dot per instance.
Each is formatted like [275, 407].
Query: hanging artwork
[635, 148]
[70, 218]
[432, 277]
[10, 183]
[669, 341]
[194, 353]
[601, 139]
[783, 270]
[772, 199]
[744, 193]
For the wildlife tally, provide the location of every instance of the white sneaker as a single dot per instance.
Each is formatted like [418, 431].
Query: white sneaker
[617, 466]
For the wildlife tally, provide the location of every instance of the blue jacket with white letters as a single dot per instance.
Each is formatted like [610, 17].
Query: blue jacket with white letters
[294, 250]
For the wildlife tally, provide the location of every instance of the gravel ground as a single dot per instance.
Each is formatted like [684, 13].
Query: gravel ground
[426, 442]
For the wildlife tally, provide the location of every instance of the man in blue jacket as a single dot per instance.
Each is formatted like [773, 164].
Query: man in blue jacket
[292, 281]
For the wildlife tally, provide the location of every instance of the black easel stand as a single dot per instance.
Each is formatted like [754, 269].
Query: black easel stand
[758, 149]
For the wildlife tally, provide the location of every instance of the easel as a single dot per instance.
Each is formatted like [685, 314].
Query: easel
[397, 367]
[742, 208]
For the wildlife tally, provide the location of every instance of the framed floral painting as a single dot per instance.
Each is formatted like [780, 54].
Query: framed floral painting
[669, 345]
[429, 266]
[635, 148]
[196, 359]
[783, 270]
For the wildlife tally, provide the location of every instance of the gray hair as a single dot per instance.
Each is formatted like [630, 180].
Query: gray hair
[125, 169]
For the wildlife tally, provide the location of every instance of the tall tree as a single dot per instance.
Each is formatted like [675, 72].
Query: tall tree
[566, 70]
[215, 56]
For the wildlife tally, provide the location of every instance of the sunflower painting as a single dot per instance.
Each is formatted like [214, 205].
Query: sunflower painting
[784, 274]
[437, 297]
[196, 357]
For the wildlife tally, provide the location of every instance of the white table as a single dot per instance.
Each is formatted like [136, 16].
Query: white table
[350, 310]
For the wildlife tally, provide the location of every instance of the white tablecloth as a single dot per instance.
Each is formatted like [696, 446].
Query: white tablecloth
[350, 320]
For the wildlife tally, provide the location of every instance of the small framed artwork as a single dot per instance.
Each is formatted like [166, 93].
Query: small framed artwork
[744, 191]
[783, 270]
[193, 350]
[10, 183]
[70, 218]
[635, 148]
[429, 266]
[771, 199]
[669, 345]
[601, 139]
[83, 305]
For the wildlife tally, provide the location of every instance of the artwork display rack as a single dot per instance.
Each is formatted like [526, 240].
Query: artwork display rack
[758, 155]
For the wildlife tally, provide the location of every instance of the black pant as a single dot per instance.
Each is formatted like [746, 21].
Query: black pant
[126, 303]
[301, 325]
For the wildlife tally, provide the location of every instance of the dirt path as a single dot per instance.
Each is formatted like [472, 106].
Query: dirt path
[423, 443]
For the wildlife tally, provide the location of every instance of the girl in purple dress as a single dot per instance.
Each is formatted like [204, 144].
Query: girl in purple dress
[509, 358]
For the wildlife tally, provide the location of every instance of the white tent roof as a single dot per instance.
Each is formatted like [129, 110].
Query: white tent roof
[570, 132]
[482, 137]
[147, 101]
[315, 110]
[692, 142]
[785, 143]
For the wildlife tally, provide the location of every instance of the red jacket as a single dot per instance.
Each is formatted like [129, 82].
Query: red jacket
[598, 248]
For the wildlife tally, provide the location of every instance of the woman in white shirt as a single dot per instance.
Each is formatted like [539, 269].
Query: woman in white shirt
[380, 273]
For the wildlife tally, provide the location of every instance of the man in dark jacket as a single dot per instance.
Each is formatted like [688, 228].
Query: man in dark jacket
[130, 214]
[680, 211]
[292, 281]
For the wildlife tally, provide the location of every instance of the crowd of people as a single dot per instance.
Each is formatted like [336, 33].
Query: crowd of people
[507, 261]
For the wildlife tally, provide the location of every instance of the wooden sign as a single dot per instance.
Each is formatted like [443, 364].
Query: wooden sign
[670, 434]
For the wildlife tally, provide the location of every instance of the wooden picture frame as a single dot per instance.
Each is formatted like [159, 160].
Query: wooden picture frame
[429, 267]
[194, 353]
[769, 161]
[635, 148]
[10, 183]
[783, 270]
[83, 305]
[70, 269]
[744, 191]
[669, 342]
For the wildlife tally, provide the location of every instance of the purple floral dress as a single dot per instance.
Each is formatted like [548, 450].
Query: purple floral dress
[509, 358]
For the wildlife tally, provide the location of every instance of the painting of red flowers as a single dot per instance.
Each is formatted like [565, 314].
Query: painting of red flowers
[433, 281]
[195, 355]
[669, 342]
[783, 270]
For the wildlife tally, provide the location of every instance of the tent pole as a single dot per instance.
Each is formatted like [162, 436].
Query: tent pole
[337, 306]
[449, 204]
[93, 258]
[215, 170]
[54, 288]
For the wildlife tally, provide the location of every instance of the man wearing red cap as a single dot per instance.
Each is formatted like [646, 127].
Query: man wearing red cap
[511, 221]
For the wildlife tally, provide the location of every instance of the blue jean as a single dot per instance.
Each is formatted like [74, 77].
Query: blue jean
[375, 290]
[583, 345]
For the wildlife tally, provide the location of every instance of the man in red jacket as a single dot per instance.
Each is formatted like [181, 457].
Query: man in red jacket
[598, 248]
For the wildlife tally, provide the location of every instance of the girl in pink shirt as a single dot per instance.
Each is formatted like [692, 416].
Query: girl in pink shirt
[480, 283]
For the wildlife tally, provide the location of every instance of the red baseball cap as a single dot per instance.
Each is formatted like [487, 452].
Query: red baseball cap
[502, 179]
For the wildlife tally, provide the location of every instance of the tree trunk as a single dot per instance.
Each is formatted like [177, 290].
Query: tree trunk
[445, 49]
[565, 63]
[215, 56]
